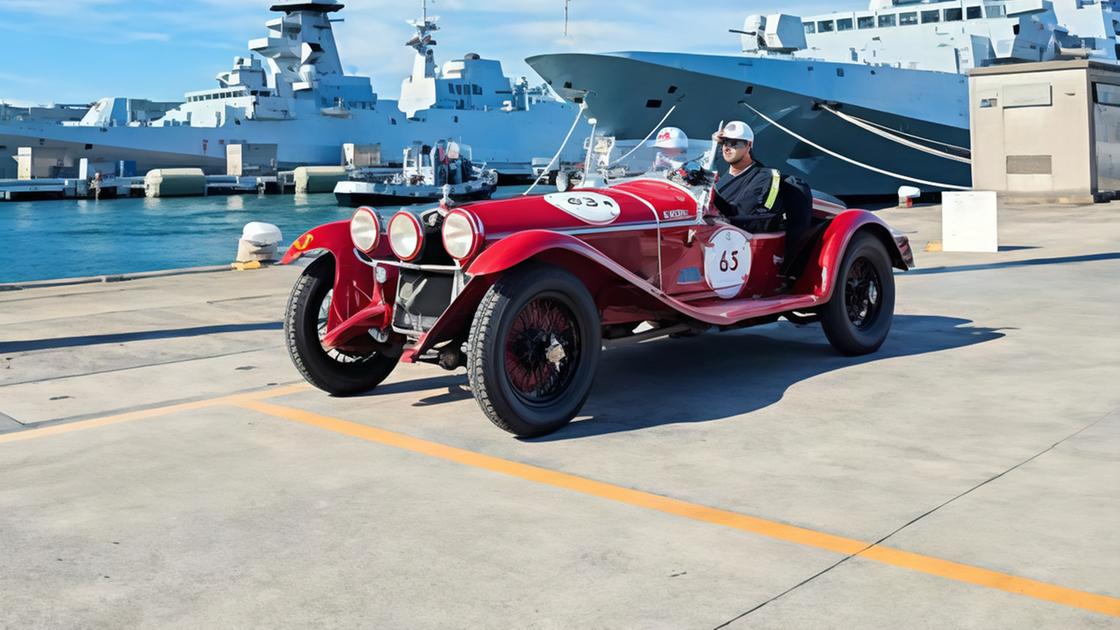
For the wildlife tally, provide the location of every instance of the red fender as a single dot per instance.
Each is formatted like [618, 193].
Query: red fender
[514, 250]
[333, 237]
[355, 291]
[503, 256]
[821, 272]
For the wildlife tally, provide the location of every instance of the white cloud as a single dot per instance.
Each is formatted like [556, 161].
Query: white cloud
[8, 77]
[140, 36]
[582, 34]
[54, 9]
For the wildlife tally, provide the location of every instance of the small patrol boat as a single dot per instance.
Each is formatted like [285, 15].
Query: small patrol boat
[430, 173]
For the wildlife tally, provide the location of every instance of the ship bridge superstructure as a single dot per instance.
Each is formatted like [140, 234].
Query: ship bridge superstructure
[294, 72]
[470, 83]
[948, 36]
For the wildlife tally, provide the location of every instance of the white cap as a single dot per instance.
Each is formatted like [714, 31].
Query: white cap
[737, 130]
[453, 150]
[671, 138]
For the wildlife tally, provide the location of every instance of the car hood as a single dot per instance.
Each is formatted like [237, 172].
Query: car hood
[635, 202]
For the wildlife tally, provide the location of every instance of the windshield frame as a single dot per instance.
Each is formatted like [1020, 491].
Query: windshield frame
[603, 169]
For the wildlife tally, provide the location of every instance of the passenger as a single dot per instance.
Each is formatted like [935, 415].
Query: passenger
[672, 149]
[440, 170]
[96, 186]
[757, 198]
[454, 164]
[467, 168]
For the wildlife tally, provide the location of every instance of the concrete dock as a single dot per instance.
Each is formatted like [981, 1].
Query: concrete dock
[120, 187]
[162, 465]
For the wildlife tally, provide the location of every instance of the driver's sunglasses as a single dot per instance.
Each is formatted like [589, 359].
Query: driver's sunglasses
[734, 144]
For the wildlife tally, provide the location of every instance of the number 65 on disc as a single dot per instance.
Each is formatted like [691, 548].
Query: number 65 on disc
[727, 262]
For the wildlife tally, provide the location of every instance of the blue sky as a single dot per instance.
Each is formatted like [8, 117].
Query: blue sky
[79, 50]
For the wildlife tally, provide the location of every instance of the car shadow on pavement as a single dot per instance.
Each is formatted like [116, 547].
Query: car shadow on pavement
[452, 382]
[458, 390]
[717, 376]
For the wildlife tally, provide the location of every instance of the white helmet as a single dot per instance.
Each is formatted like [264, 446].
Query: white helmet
[737, 130]
[671, 138]
[453, 150]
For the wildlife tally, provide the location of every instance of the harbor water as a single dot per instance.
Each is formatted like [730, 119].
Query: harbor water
[69, 238]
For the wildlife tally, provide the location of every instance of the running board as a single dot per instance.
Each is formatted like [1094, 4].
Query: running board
[656, 333]
[729, 312]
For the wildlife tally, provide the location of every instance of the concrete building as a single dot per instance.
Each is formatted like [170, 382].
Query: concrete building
[1047, 130]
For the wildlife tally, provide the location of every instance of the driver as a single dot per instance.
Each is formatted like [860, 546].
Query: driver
[672, 149]
[758, 199]
[749, 193]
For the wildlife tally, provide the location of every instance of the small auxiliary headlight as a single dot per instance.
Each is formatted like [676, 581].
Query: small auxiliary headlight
[462, 235]
[365, 230]
[406, 237]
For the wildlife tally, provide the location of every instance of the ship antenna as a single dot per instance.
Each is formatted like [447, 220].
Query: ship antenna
[566, 4]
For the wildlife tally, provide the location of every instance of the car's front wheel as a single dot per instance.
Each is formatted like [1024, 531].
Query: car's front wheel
[858, 317]
[533, 350]
[305, 323]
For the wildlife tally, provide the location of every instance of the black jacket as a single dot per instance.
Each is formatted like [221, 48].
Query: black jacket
[749, 199]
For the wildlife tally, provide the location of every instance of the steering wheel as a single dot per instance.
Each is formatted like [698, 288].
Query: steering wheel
[690, 176]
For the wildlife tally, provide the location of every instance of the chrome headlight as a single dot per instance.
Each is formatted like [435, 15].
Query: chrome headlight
[365, 230]
[462, 235]
[406, 236]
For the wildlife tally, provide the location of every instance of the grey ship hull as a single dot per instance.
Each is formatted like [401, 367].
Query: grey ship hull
[629, 93]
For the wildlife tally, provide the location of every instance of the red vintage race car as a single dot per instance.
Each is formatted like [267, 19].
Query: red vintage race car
[526, 292]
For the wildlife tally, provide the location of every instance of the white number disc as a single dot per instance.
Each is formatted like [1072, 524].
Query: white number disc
[727, 262]
[589, 207]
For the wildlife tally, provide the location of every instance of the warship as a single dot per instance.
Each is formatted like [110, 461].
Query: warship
[858, 103]
[291, 91]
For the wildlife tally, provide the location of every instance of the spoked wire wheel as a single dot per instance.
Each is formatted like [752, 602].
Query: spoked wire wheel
[541, 350]
[533, 350]
[321, 326]
[862, 293]
[305, 324]
[858, 317]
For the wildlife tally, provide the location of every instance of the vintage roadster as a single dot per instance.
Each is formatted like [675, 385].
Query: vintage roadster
[526, 292]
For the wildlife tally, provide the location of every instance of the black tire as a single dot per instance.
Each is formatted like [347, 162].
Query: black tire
[334, 372]
[508, 318]
[858, 317]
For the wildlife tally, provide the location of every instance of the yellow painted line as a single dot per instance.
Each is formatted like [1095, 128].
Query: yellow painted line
[93, 423]
[771, 529]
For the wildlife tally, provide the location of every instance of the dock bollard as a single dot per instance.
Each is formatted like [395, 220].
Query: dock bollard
[259, 243]
[907, 195]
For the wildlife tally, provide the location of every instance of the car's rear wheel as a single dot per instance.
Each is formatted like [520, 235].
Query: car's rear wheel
[533, 350]
[858, 317]
[305, 323]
